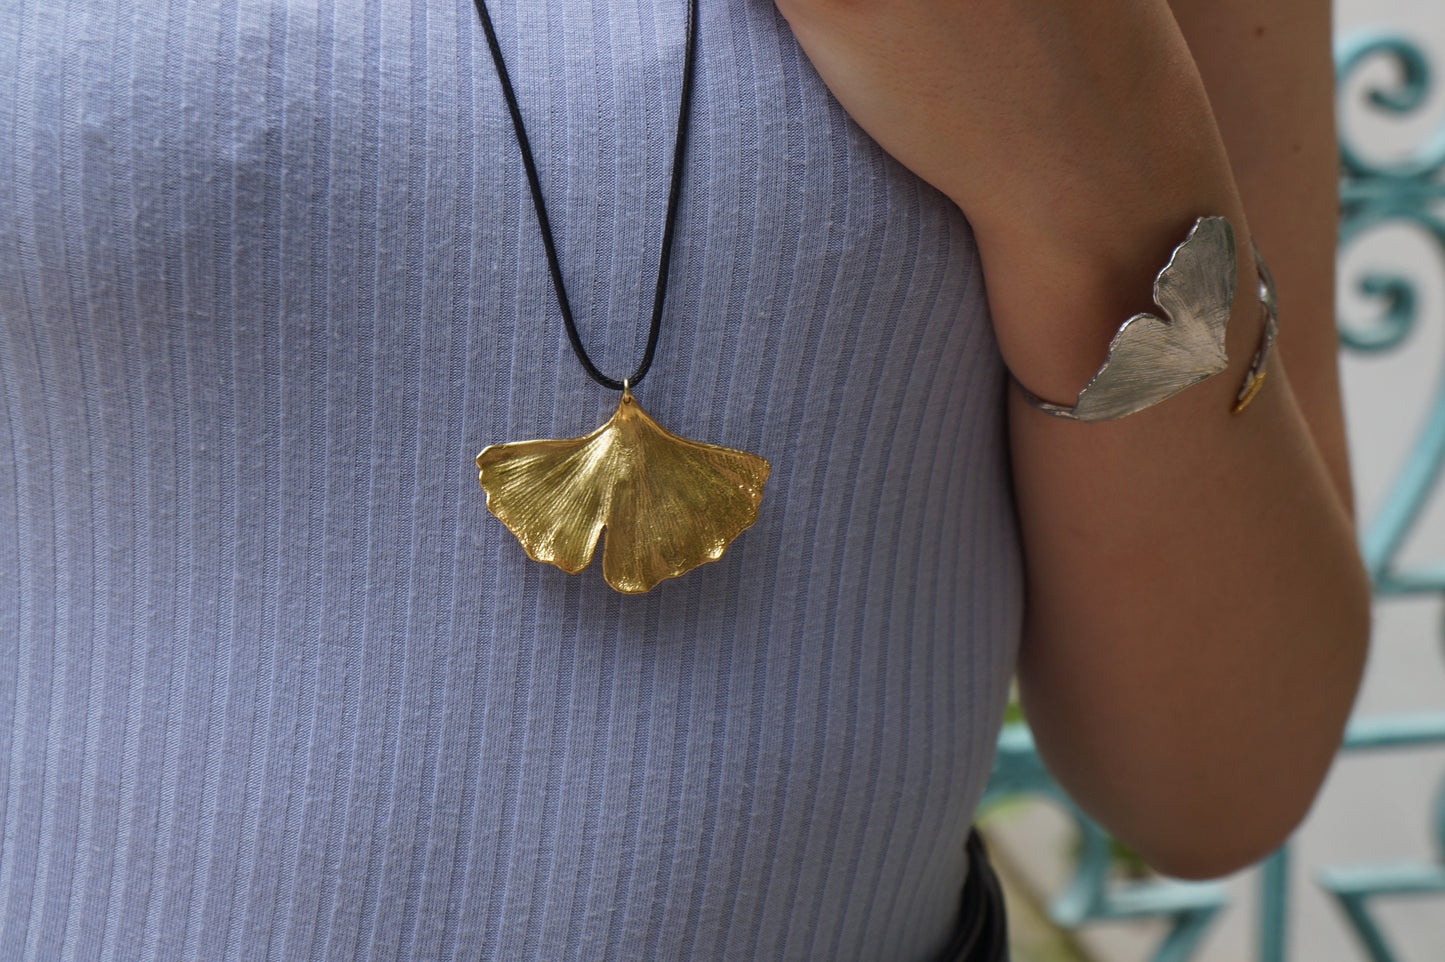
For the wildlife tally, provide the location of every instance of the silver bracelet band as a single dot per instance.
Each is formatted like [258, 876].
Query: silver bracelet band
[1259, 365]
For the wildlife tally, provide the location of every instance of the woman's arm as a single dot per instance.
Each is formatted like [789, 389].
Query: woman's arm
[1268, 67]
[1197, 615]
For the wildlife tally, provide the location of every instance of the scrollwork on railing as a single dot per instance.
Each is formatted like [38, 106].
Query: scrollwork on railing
[1410, 94]
[1378, 192]
[1375, 193]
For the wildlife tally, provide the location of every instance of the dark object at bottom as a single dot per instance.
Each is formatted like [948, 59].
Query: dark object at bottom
[982, 934]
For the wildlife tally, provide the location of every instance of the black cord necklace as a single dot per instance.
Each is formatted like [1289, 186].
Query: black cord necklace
[668, 503]
[674, 192]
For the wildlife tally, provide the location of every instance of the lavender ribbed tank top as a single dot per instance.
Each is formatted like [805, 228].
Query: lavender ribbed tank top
[273, 683]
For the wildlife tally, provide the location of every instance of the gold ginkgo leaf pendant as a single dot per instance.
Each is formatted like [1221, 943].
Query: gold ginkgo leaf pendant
[668, 503]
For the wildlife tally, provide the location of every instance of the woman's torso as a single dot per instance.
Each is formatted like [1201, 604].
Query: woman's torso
[274, 684]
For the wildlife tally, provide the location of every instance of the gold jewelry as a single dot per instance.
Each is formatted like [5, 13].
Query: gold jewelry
[668, 503]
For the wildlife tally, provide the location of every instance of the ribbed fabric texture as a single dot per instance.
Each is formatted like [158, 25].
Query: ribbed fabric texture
[273, 683]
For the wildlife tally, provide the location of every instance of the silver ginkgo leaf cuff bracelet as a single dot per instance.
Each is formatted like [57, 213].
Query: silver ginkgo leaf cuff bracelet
[1152, 359]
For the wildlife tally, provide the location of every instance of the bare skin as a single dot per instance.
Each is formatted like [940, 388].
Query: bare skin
[1197, 615]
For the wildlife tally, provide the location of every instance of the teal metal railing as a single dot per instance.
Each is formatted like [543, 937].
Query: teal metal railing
[1408, 190]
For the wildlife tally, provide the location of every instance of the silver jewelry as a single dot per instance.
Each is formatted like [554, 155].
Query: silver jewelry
[1151, 359]
[1258, 367]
